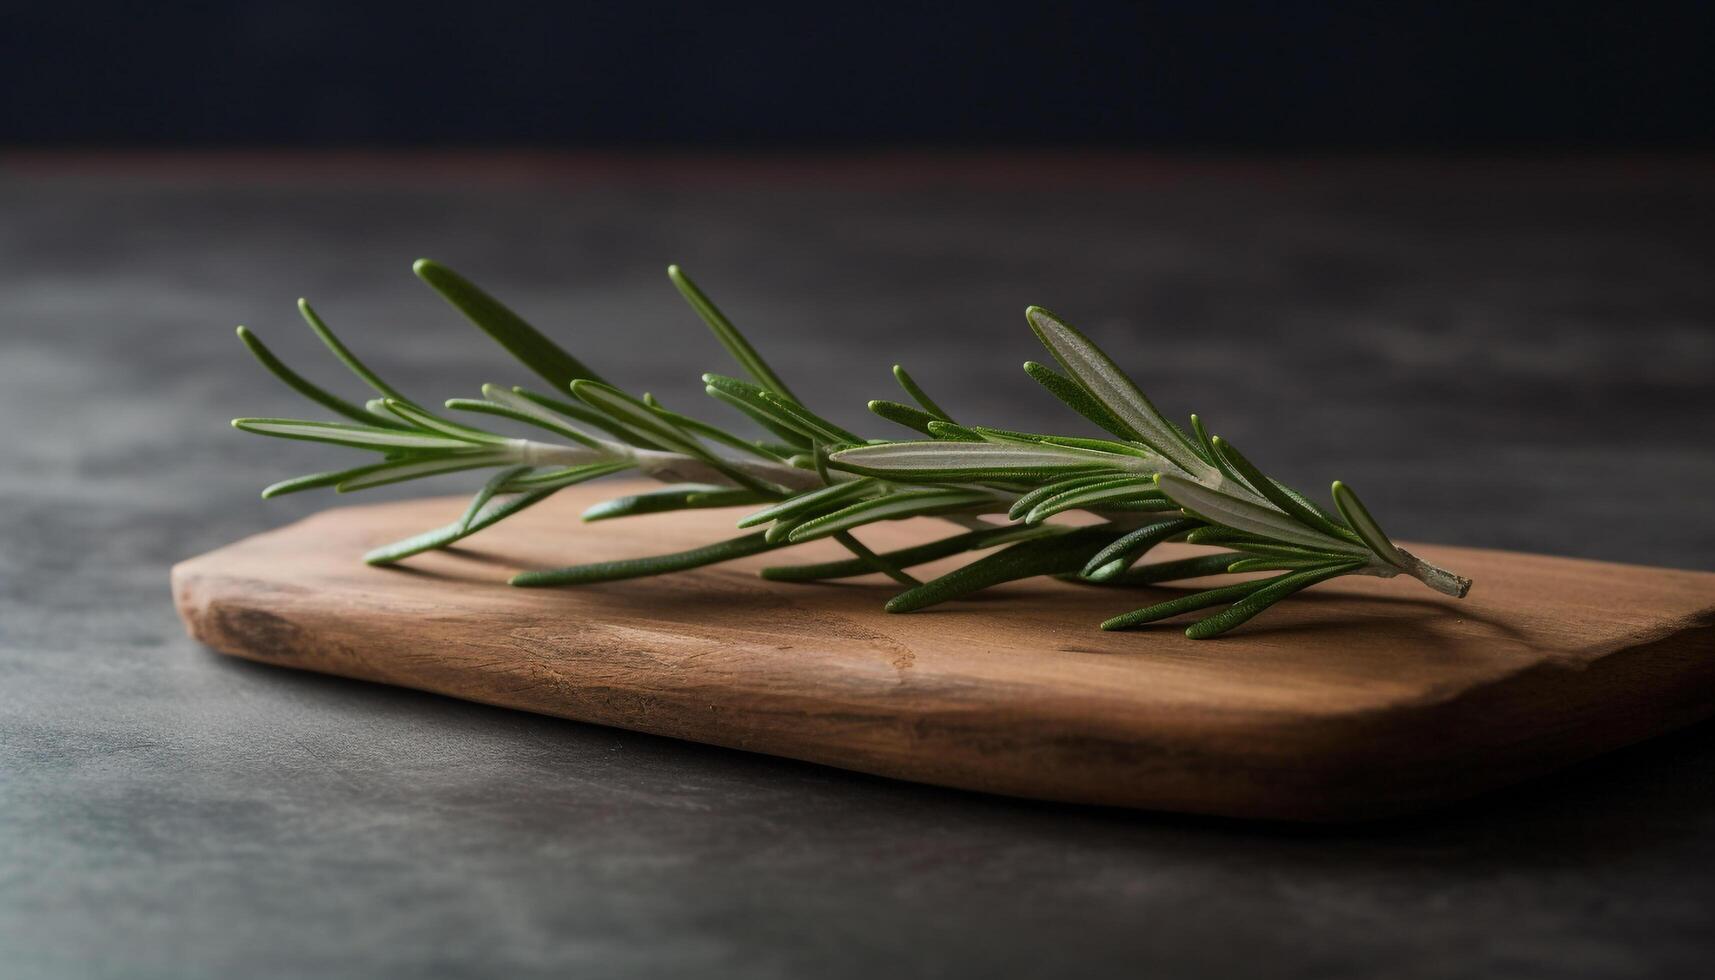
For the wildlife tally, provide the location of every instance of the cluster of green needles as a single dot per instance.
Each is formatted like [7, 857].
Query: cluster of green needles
[1149, 482]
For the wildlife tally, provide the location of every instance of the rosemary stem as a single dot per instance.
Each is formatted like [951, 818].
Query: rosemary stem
[1436, 577]
[667, 467]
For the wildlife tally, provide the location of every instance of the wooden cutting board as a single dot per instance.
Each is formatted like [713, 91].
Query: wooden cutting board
[1359, 698]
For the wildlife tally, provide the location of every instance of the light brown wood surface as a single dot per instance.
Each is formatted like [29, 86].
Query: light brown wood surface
[1361, 697]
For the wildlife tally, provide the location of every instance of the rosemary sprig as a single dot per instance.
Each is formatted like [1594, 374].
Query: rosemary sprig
[1149, 482]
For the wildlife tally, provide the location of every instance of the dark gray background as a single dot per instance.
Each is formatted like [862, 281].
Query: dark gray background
[783, 73]
[1516, 354]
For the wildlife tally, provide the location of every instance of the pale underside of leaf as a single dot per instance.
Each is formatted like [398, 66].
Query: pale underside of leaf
[940, 456]
[1098, 373]
[1243, 515]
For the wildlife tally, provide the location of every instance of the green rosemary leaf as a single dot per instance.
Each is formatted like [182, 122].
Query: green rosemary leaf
[1136, 450]
[346, 357]
[763, 404]
[681, 496]
[938, 461]
[633, 415]
[566, 476]
[727, 334]
[1025, 502]
[1206, 447]
[613, 571]
[487, 492]
[342, 434]
[531, 416]
[714, 432]
[797, 440]
[1123, 553]
[586, 415]
[315, 481]
[544, 414]
[954, 432]
[523, 341]
[1243, 515]
[1142, 505]
[1107, 384]
[1273, 564]
[1276, 495]
[440, 537]
[904, 415]
[1026, 559]
[416, 469]
[780, 531]
[893, 507]
[1285, 552]
[1200, 566]
[307, 388]
[915, 555]
[918, 395]
[1250, 543]
[814, 425]
[1087, 498]
[1183, 604]
[874, 561]
[425, 420]
[1217, 535]
[1079, 400]
[1273, 590]
[1311, 505]
[1353, 510]
[810, 502]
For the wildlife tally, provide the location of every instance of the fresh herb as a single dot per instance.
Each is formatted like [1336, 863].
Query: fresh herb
[1150, 481]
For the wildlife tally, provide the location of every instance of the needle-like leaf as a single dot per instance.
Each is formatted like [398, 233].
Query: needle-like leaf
[727, 334]
[1178, 570]
[1027, 559]
[941, 461]
[1353, 510]
[1277, 495]
[915, 555]
[918, 395]
[1027, 501]
[1130, 489]
[1105, 382]
[487, 492]
[682, 496]
[417, 469]
[1079, 400]
[314, 481]
[427, 421]
[1183, 604]
[307, 388]
[523, 341]
[344, 355]
[1242, 515]
[893, 507]
[904, 415]
[440, 537]
[613, 571]
[811, 501]
[1272, 592]
[341, 434]
[714, 432]
[1123, 553]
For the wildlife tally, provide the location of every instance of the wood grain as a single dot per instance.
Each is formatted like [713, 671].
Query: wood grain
[1359, 698]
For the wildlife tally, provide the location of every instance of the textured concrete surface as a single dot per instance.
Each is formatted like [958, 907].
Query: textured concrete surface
[1512, 354]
